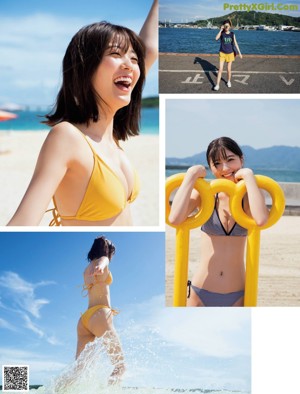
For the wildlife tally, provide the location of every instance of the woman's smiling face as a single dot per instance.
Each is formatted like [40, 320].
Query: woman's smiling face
[226, 165]
[116, 76]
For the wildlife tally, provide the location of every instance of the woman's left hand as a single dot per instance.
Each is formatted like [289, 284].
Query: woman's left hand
[243, 173]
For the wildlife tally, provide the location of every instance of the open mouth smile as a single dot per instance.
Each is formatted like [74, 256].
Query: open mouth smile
[123, 82]
[231, 174]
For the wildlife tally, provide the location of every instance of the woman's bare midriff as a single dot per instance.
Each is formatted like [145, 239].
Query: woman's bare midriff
[221, 267]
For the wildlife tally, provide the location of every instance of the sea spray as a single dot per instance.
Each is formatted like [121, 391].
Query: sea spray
[149, 364]
[88, 374]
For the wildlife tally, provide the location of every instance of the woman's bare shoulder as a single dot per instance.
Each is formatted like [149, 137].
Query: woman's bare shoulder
[65, 131]
[64, 138]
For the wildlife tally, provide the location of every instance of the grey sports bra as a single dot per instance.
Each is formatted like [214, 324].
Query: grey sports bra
[214, 226]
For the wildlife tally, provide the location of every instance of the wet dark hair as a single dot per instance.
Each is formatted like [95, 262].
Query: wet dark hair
[227, 21]
[77, 100]
[101, 247]
[217, 149]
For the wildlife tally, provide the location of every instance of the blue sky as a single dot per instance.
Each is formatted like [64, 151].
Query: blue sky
[190, 10]
[258, 123]
[34, 35]
[40, 303]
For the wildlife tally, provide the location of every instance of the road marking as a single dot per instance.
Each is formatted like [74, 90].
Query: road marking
[195, 80]
[243, 81]
[233, 72]
[288, 83]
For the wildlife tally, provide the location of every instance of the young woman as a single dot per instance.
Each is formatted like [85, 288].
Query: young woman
[81, 164]
[98, 318]
[227, 51]
[220, 278]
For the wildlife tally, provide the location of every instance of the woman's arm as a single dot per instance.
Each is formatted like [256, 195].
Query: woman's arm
[256, 200]
[52, 164]
[219, 34]
[149, 35]
[186, 198]
[237, 47]
[100, 266]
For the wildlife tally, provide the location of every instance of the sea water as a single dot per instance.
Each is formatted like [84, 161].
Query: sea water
[250, 41]
[30, 120]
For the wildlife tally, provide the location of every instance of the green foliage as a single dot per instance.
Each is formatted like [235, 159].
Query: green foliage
[252, 18]
[150, 102]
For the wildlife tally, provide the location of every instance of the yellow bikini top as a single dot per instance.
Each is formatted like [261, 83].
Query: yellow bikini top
[104, 197]
[108, 281]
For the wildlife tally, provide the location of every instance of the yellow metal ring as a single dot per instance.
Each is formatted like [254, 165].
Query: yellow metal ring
[207, 201]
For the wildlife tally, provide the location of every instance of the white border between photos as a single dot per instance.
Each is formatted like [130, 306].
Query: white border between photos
[275, 350]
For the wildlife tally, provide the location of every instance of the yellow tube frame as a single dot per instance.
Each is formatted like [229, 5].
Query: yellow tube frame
[236, 192]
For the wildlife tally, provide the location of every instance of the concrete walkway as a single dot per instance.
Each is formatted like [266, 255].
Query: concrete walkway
[197, 73]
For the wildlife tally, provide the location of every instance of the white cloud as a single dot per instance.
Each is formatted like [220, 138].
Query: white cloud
[7, 325]
[216, 332]
[23, 292]
[34, 328]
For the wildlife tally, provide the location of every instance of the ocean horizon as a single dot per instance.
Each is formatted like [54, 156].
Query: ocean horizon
[30, 121]
[278, 175]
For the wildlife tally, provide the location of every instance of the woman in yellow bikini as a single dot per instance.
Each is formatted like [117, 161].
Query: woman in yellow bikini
[81, 165]
[98, 318]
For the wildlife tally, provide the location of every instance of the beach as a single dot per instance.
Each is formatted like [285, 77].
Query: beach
[19, 152]
[279, 275]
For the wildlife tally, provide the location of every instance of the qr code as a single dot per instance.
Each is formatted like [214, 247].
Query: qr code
[15, 378]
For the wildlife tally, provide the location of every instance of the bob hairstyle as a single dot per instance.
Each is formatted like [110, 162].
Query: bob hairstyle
[101, 247]
[77, 100]
[217, 149]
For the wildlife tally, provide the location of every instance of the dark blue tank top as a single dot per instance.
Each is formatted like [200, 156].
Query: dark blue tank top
[227, 42]
[214, 226]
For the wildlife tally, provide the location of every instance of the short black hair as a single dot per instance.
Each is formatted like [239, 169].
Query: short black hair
[227, 21]
[77, 100]
[101, 247]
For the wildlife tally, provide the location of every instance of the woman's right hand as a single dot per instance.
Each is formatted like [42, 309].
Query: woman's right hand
[197, 171]
[186, 198]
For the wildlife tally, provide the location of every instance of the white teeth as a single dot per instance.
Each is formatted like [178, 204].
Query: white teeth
[123, 79]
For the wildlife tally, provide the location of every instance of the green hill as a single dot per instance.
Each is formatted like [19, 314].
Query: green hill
[252, 18]
[265, 158]
[150, 102]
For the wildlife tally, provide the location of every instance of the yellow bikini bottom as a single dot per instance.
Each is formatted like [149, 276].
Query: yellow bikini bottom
[85, 317]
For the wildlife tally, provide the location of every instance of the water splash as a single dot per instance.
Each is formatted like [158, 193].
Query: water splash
[146, 359]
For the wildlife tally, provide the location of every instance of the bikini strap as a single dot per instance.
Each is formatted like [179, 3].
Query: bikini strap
[189, 284]
[85, 137]
[86, 288]
[56, 219]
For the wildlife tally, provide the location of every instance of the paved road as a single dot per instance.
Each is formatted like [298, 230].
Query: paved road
[197, 73]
